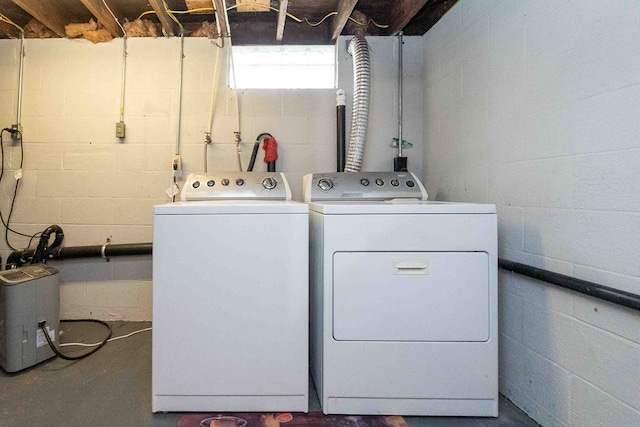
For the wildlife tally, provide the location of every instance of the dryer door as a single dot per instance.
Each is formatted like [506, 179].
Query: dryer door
[411, 296]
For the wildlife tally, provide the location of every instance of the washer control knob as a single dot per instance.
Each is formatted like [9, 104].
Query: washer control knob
[239, 182]
[379, 182]
[325, 184]
[395, 182]
[364, 181]
[211, 183]
[411, 184]
[269, 183]
[224, 182]
[195, 184]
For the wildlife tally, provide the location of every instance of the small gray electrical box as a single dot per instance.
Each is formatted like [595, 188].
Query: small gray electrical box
[28, 295]
[121, 129]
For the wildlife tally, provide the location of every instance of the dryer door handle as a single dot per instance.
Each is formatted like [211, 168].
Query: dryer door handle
[411, 267]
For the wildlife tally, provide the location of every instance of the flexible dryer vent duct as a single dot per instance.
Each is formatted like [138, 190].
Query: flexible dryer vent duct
[359, 49]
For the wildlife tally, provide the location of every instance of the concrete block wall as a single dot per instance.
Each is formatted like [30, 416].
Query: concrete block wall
[533, 105]
[77, 174]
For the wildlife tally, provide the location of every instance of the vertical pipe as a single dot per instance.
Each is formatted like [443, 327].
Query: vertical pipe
[400, 162]
[124, 76]
[341, 101]
[400, 94]
[20, 79]
[180, 92]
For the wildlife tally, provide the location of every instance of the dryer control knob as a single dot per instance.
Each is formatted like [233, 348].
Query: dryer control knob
[195, 184]
[325, 184]
[224, 182]
[269, 183]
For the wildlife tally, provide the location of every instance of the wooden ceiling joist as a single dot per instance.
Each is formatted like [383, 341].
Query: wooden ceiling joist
[221, 17]
[169, 26]
[282, 17]
[402, 13]
[102, 14]
[46, 12]
[345, 8]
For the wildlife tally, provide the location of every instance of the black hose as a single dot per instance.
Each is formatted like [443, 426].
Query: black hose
[271, 166]
[42, 326]
[40, 254]
[254, 154]
[256, 147]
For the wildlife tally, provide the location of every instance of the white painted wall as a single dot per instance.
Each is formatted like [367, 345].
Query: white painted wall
[534, 105]
[78, 175]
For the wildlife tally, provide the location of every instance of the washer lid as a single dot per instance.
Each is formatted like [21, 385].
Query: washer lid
[225, 207]
[403, 206]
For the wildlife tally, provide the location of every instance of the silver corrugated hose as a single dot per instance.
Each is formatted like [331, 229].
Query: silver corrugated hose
[359, 49]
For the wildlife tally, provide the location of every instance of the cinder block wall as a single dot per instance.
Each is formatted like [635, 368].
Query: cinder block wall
[534, 105]
[78, 175]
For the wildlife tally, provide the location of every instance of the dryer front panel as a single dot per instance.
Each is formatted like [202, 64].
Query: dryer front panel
[411, 296]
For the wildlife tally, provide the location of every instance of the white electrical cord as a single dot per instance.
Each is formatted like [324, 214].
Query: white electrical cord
[80, 344]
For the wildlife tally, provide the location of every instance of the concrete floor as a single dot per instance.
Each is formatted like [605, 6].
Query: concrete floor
[113, 388]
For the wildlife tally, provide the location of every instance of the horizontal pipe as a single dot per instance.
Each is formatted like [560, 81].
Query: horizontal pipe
[606, 293]
[96, 251]
[18, 258]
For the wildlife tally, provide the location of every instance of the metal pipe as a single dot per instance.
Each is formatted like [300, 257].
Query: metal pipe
[177, 151]
[359, 48]
[124, 76]
[400, 78]
[20, 80]
[341, 102]
[606, 293]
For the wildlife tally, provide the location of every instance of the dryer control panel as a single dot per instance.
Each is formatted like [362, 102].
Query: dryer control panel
[362, 186]
[236, 186]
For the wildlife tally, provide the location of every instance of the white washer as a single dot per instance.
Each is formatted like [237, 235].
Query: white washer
[403, 298]
[230, 297]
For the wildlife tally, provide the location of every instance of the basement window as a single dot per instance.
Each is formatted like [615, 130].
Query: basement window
[284, 67]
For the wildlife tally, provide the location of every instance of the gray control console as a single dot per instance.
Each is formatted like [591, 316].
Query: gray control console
[236, 186]
[362, 186]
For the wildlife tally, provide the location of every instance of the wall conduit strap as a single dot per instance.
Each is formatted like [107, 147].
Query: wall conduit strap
[606, 293]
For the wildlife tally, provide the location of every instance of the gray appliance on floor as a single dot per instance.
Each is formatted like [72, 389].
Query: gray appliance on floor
[28, 295]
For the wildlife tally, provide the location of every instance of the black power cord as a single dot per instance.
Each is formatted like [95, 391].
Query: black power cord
[42, 326]
[15, 190]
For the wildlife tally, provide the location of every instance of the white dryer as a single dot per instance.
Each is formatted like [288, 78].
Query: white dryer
[230, 297]
[403, 298]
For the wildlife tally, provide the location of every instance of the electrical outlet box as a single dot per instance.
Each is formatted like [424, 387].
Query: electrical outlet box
[121, 129]
[16, 131]
[176, 166]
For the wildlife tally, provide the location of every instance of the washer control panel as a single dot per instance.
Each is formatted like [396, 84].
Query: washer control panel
[362, 186]
[236, 186]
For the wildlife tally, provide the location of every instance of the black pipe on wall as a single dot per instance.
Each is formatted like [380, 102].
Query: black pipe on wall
[340, 138]
[21, 257]
[606, 293]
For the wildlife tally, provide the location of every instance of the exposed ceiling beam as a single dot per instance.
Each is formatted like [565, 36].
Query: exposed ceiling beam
[221, 17]
[345, 7]
[402, 12]
[282, 17]
[169, 26]
[102, 14]
[46, 12]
